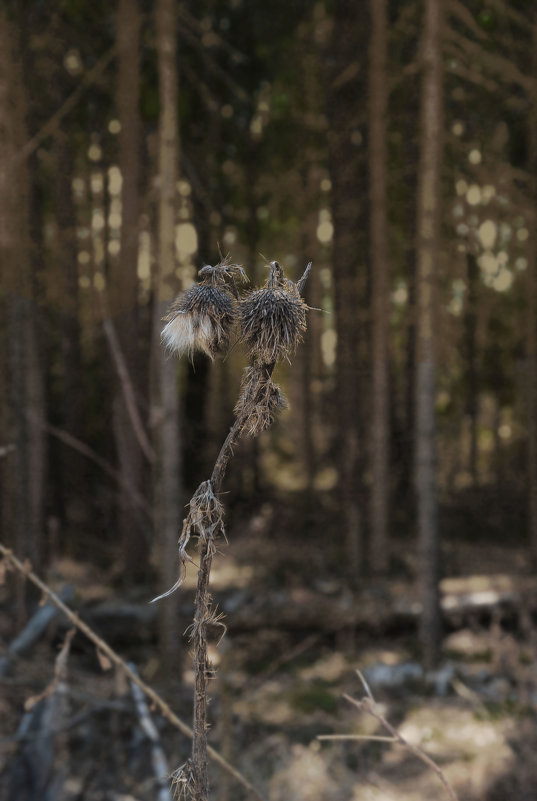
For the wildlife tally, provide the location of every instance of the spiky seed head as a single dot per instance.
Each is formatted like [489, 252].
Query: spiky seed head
[273, 321]
[200, 319]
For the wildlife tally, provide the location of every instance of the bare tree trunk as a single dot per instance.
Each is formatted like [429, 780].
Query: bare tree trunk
[124, 284]
[378, 99]
[472, 396]
[348, 277]
[67, 466]
[25, 397]
[428, 236]
[169, 479]
[531, 325]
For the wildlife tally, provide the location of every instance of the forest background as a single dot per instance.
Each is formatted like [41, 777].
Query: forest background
[389, 517]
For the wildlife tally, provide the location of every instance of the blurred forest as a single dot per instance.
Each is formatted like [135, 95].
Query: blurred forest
[388, 519]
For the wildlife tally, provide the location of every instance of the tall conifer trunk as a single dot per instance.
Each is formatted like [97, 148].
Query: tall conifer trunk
[379, 444]
[531, 324]
[124, 284]
[345, 158]
[24, 384]
[428, 236]
[166, 408]
[472, 387]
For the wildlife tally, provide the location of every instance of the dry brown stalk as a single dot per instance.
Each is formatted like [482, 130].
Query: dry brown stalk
[26, 570]
[369, 705]
[60, 672]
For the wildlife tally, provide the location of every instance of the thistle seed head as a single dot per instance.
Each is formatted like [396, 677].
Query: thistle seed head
[273, 321]
[200, 319]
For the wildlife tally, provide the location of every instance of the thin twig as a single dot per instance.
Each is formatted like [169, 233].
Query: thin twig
[76, 444]
[369, 737]
[60, 672]
[365, 684]
[128, 390]
[103, 646]
[53, 123]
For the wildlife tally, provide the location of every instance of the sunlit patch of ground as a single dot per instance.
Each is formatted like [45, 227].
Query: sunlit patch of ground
[471, 746]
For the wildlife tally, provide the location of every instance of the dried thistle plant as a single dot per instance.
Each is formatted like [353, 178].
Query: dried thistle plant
[273, 321]
[202, 317]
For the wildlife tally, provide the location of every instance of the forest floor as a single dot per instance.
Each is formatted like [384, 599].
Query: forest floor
[296, 638]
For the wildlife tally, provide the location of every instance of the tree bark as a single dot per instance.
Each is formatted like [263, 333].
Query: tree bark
[344, 98]
[25, 384]
[123, 295]
[472, 396]
[428, 236]
[531, 322]
[380, 277]
[168, 495]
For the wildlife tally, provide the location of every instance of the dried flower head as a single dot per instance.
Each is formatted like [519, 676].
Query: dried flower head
[202, 317]
[273, 319]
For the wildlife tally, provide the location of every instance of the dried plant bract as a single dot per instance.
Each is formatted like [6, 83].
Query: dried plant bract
[259, 399]
[205, 519]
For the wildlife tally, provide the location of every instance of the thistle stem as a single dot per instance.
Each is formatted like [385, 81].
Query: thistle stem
[203, 614]
[202, 668]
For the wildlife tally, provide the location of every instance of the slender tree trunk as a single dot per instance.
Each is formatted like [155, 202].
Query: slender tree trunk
[378, 98]
[407, 485]
[531, 324]
[428, 235]
[67, 465]
[25, 384]
[472, 396]
[169, 480]
[124, 284]
[349, 269]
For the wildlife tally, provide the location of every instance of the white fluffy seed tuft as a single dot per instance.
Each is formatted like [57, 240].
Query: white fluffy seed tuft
[184, 334]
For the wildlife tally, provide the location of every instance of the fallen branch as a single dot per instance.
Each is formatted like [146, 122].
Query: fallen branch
[39, 766]
[103, 646]
[158, 757]
[33, 630]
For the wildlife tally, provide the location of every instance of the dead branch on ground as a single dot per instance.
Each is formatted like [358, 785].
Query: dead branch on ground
[26, 570]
